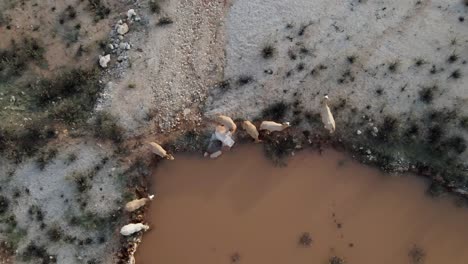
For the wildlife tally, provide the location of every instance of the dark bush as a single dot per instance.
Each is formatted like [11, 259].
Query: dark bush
[336, 260]
[154, 6]
[279, 148]
[434, 134]
[32, 251]
[55, 234]
[165, 21]
[268, 52]
[244, 79]
[106, 127]
[275, 112]
[14, 60]
[305, 239]
[100, 10]
[77, 82]
[4, 203]
[45, 157]
[455, 143]
[388, 129]
[426, 94]
[393, 66]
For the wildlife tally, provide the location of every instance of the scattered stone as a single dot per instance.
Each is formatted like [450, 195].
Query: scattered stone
[111, 46]
[104, 60]
[124, 46]
[359, 132]
[131, 13]
[122, 29]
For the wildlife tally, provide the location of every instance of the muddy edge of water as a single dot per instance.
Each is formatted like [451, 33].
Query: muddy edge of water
[216, 211]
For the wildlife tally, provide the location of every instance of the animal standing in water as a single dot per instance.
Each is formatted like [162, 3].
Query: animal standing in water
[227, 122]
[158, 150]
[251, 130]
[327, 117]
[138, 203]
[273, 126]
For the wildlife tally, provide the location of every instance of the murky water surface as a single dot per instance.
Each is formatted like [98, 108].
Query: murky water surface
[242, 209]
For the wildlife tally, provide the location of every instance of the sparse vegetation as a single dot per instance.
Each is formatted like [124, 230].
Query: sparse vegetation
[33, 251]
[268, 52]
[106, 127]
[419, 62]
[55, 233]
[351, 59]
[14, 60]
[165, 21]
[154, 6]
[82, 180]
[278, 148]
[456, 74]
[305, 239]
[100, 10]
[426, 94]
[244, 79]
[336, 260]
[464, 122]
[453, 58]
[45, 157]
[393, 66]
[276, 111]
[417, 255]
[4, 203]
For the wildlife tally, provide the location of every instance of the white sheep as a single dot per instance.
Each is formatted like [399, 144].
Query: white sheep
[273, 126]
[158, 150]
[327, 117]
[138, 203]
[130, 229]
[227, 122]
[251, 130]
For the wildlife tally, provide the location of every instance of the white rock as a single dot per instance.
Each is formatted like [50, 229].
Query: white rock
[376, 130]
[111, 46]
[131, 13]
[104, 60]
[124, 45]
[122, 29]
[358, 132]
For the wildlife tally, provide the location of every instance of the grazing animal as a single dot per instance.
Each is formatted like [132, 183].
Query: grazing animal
[130, 229]
[251, 130]
[138, 203]
[227, 122]
[158, 150]
[273, 126]
[327, 117]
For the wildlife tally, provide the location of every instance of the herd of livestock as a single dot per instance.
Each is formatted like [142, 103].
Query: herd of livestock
[226, 125]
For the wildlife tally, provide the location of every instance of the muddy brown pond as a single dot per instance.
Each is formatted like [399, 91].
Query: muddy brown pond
[240, 208]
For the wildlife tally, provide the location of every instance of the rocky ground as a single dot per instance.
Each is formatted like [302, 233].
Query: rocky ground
[73, 144]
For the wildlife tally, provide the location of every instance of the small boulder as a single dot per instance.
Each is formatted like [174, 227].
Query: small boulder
[104, 60]
[122, 29]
